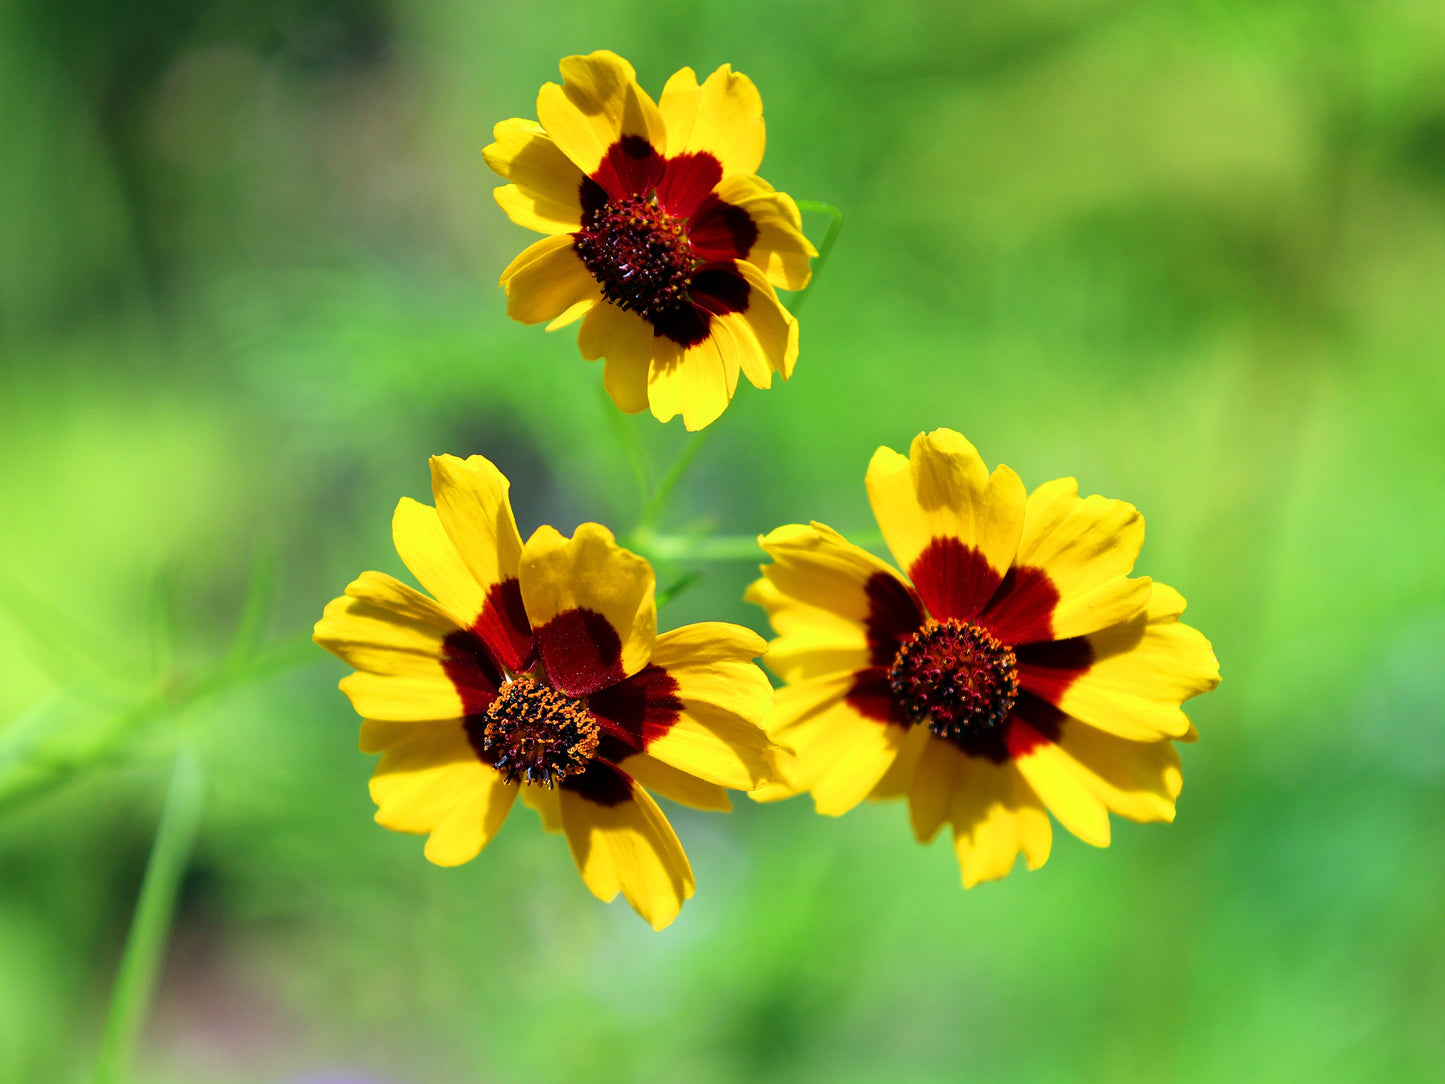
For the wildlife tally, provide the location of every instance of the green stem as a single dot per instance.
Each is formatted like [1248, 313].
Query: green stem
[631, 446]
[150, 928]
[658, 501]
[825, 247]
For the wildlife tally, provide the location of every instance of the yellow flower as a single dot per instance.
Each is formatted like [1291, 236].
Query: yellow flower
[660, 236]
[537, 669]
[1017, 668]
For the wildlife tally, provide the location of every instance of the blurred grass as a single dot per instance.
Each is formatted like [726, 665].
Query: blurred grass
[1188, 252]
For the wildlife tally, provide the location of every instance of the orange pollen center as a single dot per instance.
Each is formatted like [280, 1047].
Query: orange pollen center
[955, 677]
[537, 735]
[638, 253]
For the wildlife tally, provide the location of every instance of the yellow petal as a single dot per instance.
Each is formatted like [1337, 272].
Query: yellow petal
[718, 734]
[403, 698]
[475, 509]
[819, 593]
[429, 780]
[995, 815]
[943, 492]
[547, 802]
[1138, 780]
[766, 333]
[695, 382]
[838, 754]
[546, 280]
[428, 552]
[723, 117]
[566, 580]
[1108, 603]
[575, 312]
[626, 341]
[930, 797]
[598, 103]
[1057, 780]
[1082, 544]
[384, 626]
[628, 847]
[675, 784]
[546, 186]
[1141, 671]
[781, 250]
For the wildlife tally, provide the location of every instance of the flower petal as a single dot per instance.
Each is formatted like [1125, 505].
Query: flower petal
[675, 784]
[545, 193]
[995, 815]
[429, 780]
[722, 117]
[950, 524]
[598, 103]
[834, 605]
[1138, 780]
[766, 334]
[1056, 779]
[941, 765]
[626, 341]
[591, 604]
[839, 755]
[428, 552]
[383, 626]
[780, 250]
[696, 382]
[1141, 671]
[627, 845]
[546, 280]
[1082, 544]
[724, 695]
[547, 803]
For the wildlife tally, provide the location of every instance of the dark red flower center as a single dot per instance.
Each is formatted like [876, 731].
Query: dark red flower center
[639, 253]
[536, 734]
[955, 677]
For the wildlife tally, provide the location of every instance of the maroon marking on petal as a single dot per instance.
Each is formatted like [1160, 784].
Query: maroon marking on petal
[631, 167]
[582, 652]
[722, 231]
[1048, 669]
[593, 198]
[954, 580]
[503, 626]
[601, 784]
[686, 325]
[1034, 723]
[871, 697]
[1022, 610]
[687, 180]
[635, 712]
[720, 289]
[468, 663]
[894, 614]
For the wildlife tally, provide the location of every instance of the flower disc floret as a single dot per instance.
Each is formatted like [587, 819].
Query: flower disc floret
[956, 678]
[639, 254]
[537, 735]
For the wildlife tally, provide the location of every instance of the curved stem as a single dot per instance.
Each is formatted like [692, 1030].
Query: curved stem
[825, 247]
[655, 504]
[150, 928]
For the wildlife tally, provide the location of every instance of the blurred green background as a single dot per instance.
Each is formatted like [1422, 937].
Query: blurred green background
[1191, 253]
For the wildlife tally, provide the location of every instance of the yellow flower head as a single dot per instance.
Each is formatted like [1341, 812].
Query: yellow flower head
[1017, 668]
[536, 668]
[660, 236]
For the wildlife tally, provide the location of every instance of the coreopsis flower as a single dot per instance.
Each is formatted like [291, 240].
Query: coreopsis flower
[536, 669]
[661, 238]
[1017, 668]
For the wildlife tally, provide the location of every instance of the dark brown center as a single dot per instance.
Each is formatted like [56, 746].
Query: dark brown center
[639, 254]
[955, 677]
[537, 735]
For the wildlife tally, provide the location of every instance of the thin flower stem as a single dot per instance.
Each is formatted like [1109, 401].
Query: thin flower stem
[658, 501]
[631, 447]
[825, 247]
[150, 928]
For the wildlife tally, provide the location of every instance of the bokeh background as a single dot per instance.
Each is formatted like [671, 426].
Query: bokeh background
[1190, 252]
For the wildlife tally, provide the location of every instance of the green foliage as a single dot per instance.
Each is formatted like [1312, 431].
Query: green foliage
[1188, 252]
